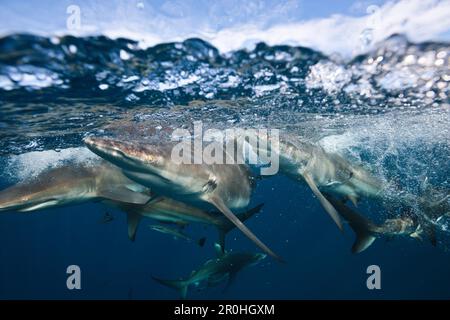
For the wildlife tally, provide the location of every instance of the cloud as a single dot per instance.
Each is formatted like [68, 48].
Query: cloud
[231, 25]
[419, 20]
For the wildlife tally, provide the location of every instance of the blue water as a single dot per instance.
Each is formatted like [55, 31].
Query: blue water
[389, 114]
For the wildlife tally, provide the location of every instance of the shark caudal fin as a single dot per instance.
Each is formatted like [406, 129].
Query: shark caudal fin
[360, 225]
[180, 285]
[226, 225]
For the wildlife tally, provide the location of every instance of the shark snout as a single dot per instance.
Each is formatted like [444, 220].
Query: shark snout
[125, 154]
[111, 150]
[103, 145]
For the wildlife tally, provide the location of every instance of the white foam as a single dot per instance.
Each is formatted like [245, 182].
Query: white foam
[385, 134]
[338, 143]
[329, 76]
[30, 164]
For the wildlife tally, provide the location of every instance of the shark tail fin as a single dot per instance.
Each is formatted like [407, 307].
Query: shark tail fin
[364, 239]
[201, 241]
[180, 285]
[226, 225]
[360, 225]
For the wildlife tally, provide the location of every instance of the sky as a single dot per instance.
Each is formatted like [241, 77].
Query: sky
[344, 27]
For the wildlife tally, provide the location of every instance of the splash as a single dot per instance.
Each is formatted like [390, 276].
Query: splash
[31, 164]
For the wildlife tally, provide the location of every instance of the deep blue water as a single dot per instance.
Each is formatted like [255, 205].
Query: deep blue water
[382, 115]
[38, 249]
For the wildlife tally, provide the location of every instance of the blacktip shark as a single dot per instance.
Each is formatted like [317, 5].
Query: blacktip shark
[223, 186]
[78, 183]
[177, 234]
[322, 171]
[168, 210]
[214, 271]
[72, 184]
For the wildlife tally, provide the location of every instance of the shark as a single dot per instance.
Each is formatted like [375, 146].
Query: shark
[367, 231]
[72, 184]
[225, 266]
[177, 234]
[221, 186]
[168, 210]
[322, 171]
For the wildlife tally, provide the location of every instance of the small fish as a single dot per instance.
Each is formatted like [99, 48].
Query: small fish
[107, 217]
[176, 234]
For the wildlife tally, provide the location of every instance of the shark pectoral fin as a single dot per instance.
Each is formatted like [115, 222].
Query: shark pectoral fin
[323, 201]
[235, 220]
[226, 225]
[123, 194]
[353, 199]
[133, 220]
